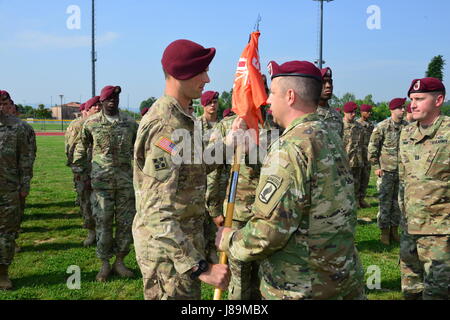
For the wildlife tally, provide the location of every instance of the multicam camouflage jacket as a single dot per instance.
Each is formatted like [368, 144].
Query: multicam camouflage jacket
[170, 194]
[424, 171]
[16, 169]
[354, 143]
[368, 127]
[112, 151]
[304, 220]
[384, 145]
[218, 181]
[332, 118]
[71, 138]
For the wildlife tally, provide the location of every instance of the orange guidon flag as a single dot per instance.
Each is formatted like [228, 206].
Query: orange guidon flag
[249, 93]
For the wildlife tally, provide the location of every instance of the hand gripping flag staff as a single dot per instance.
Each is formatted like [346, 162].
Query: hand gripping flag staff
[249, 94]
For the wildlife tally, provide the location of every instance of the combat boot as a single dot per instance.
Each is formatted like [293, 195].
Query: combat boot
[394, 234]
[104, 273]
[363, 204]
[120, 269]
[90, 239]
[385, 234]
[5, 283]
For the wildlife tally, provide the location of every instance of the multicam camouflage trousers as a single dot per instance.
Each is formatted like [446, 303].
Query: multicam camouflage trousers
[389, 213]
[9, 225]
[365, 177]
[210, 238]
[84, 201]
[357, 175]
[245, 281]
[107, 206]
[425, 266]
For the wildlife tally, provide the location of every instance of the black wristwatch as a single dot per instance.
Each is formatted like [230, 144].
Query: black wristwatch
[202, 266]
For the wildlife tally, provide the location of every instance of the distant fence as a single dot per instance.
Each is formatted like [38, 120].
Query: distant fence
[49, 125]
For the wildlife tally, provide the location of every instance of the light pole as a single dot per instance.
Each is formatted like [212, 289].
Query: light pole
[62, 113]
[320, 62]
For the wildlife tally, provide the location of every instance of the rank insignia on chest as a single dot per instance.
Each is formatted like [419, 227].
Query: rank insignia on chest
[160, 164]
[166, 144]
[273, 183]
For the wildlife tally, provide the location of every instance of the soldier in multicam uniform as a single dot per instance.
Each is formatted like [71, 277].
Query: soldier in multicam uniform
[305, 206]
[168, 227]
[72, 138]
[366, 111]
[424, 169]
[15, 174]
[244, 284]
[206, 122]
[354, 144]
[409, 115]
[383, 155]
[111, 135]
[329, 115]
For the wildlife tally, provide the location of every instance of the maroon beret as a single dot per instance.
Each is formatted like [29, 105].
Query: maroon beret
[366, 108]
[397, 103]
[426, 85]
[109, 91]
[294, 69]
[208, 97]
[338, 109]
[4, 95]
[82, 107]
[350, 107]
[408, 108]
[184, 59]
[227, 113]
[326, 72]
[144, 111]
[91, 102]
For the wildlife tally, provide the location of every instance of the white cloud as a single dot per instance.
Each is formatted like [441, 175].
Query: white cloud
[40, 40]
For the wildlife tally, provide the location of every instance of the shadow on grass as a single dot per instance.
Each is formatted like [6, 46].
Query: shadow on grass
[56, 216]
[51, 247]
[42, 229]
[65, 204]
[388, 285]
[375, 246]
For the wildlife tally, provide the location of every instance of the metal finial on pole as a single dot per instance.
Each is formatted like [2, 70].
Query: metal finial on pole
[320, 62]
[258, 20]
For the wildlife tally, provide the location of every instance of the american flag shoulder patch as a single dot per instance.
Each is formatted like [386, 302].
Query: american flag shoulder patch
[166, 144]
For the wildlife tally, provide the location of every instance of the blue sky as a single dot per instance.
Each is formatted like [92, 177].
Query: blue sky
[41, 58]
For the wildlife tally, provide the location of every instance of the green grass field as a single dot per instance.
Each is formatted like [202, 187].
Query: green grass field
[52, 237]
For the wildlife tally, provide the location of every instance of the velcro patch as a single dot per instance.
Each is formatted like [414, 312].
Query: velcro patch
[160, 164]
[273, 183]
[166, 144]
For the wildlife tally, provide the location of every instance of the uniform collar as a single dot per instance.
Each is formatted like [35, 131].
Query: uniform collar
[306, 118]
[430, 132]
[178, 106]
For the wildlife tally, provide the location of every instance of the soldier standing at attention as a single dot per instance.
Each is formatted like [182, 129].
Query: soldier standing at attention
[210, 103]
[111, 135]
[91, 107]
[305, 206]
[31, 142]
[329, 115]
[383, 155]
[409, 115]
[168, 227]
[366, 111]
[15, 176]
[424, 169]
[354, 144]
